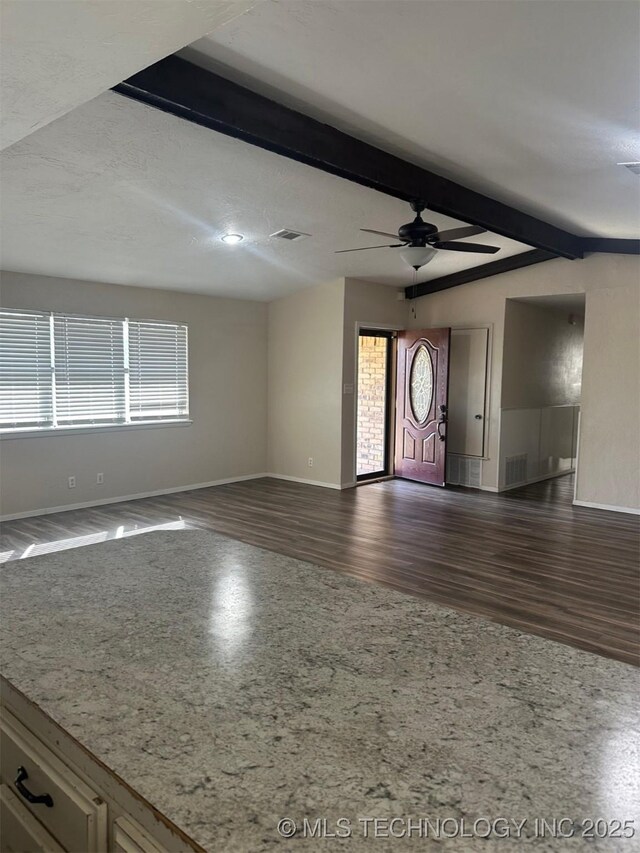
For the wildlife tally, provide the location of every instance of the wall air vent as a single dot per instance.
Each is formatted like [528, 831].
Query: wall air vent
[632, 167]
[288, 234]
[515, 469]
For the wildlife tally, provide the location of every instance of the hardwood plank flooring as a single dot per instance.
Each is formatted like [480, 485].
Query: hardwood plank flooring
[526, 558]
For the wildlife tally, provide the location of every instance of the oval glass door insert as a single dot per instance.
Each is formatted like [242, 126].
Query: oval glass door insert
[421, 384]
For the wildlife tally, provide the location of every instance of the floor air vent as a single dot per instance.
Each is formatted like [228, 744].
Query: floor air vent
[464, 471]
[515, 469]
[288, 234]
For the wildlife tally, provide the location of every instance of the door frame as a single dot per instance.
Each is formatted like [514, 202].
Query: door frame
[392, 330]
[387, 327]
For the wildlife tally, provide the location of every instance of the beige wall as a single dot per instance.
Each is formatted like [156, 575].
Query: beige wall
[312, 357]
[227, 378]
[276, 374]
[610, 441]
[304, 384]
[542, 360]
[609, 449]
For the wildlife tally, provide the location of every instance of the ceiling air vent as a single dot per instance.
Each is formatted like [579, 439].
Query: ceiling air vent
[288, 234]
[632, 167]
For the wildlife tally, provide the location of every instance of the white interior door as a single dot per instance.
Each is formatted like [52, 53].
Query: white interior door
[467, 391]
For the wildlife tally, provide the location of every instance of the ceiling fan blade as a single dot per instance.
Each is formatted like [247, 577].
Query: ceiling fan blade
[362, 248]
[466, 247]
[380, 233]
[459, 233]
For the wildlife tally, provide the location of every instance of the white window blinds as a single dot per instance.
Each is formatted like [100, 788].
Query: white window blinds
[89, 370]
[25, 370]
[59, 370]
[158, 385]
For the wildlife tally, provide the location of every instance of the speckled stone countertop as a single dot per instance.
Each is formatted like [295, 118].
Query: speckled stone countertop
[233, 687]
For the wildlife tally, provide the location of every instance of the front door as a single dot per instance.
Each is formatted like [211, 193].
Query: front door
[421, 406]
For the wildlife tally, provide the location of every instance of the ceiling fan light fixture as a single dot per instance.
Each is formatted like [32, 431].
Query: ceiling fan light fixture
[417, 256]
[232, 239]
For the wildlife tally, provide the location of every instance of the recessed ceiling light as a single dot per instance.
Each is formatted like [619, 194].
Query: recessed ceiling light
[232, 238]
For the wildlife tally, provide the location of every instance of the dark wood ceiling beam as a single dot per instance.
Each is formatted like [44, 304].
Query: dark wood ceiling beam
[524, 259]
[611, 244]
[200, 96]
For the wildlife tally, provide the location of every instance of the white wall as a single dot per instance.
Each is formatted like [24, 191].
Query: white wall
[304, 383]
[228, 384]
[610, 423]
[543, 441]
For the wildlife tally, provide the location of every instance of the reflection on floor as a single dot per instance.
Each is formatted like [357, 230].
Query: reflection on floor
[50, 547]
[525, 558]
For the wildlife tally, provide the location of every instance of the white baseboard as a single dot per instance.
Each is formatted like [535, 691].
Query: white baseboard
[306, 482]
[474, 488]
[628, 509]
[536, 480]
[124, 498]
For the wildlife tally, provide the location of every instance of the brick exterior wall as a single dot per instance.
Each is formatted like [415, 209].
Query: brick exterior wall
[372, 374]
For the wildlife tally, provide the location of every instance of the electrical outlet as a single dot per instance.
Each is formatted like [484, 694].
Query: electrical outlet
[72, 482]
[99, 479]
[310, 462]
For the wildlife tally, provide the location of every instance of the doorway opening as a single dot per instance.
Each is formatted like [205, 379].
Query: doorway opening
[541, 388]
[374, 404]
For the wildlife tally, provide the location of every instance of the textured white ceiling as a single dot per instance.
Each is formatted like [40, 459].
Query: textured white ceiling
[117, 191]
[532, 102]
[57, 54]
[569, 303]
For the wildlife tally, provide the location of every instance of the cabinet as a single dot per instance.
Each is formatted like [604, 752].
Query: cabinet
[89, 809]
[130, 837]
[75, 815]
[20, 831]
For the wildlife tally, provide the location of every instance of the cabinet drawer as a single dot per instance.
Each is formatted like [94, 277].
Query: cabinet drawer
[78, 817]
[130, 837]
[20, 832]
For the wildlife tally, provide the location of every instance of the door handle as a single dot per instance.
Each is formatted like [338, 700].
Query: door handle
[35, 799]
[442, 420]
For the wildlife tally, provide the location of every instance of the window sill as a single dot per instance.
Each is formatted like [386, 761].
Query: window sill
[86, 430]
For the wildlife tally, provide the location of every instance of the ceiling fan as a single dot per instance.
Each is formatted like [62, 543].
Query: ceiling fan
[420, 240]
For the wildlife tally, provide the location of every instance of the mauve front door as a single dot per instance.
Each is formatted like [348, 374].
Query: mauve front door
[421, 405]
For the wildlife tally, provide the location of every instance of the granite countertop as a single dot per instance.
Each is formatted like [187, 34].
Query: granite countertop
[233, 687]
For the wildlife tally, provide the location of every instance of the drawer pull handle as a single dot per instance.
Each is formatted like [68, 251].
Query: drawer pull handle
[45, 799]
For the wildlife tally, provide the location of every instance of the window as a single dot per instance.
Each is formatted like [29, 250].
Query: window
[60, 371]
[157, 370]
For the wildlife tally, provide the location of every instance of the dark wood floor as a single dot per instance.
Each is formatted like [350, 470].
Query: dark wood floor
[525, 558]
